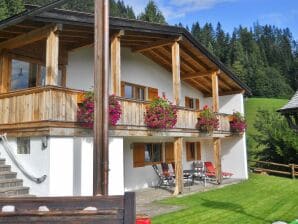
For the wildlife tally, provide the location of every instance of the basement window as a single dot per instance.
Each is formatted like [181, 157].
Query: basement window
[23, 145]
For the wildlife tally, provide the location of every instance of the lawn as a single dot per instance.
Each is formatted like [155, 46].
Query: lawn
[261, 199]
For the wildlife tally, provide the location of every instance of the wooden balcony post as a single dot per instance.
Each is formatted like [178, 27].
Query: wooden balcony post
[101, 99]
[178, 149]
[217, 159]
[52, 56]
[116, 63]
[176, 73]
[215, 95]
[4, 73]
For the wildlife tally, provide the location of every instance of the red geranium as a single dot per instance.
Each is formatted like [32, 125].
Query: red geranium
[207, 120]
[238, 123]
[85, 112]
[161, 114]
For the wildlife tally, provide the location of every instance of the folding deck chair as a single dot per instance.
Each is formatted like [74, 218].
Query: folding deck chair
[199, 171]
[164, 180]
[211, 171]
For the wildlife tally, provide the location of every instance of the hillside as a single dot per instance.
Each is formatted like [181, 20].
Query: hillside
[252, 105]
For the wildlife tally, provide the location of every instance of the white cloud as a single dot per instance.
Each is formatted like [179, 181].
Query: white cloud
[176, 8]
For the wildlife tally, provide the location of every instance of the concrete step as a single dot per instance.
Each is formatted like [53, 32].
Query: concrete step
[2, 161]
[10, 183]
[7, 175]
[14, 191]
[5, 168]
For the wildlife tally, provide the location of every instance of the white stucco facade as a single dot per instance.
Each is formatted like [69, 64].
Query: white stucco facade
[68, 161]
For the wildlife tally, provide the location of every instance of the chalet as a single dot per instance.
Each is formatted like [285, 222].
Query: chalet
[47, 61]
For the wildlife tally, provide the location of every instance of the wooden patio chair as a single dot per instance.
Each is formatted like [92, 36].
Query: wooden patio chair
[211, 171]
[164, 180]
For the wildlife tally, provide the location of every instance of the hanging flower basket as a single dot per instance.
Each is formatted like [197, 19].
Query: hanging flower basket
[238, 123]
[207, 120]
[161, 114]
[85, 112]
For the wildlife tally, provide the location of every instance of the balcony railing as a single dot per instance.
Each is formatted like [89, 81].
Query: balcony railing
[133, 116]
[57, 107]
[49, 103]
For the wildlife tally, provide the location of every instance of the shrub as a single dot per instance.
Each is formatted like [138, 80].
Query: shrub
[161, 114]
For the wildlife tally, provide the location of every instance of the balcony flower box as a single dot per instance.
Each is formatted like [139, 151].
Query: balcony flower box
[238, 123]
[161, 114]
[85, 112]
[207, 121]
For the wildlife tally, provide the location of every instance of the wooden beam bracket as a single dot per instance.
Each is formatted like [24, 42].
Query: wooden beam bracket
[157, 44]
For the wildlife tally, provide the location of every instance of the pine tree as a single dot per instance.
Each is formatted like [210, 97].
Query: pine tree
[3, 10]
[152, 14]
[15, 6]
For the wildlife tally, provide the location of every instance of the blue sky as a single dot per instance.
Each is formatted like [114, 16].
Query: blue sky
[230, 13]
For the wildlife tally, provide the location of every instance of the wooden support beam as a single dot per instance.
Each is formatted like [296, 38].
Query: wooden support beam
[52, 58]
[217, 159]
[5, 70]
[201, 86]
[215, 95]
[241, 91]
[176, 72]
[101, 99]
[116, 63]
[198, 74]
[178, 150]
[157, 44]
[28, 38]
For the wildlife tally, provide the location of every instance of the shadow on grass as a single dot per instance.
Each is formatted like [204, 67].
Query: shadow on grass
[233, 207]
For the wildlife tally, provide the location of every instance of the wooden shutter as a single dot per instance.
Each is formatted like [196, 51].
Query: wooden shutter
[123, 89]
[187, 102]
[197, 104]
[189, 153]
[169, 152]
[199, 151]
[138, 154]
[152, 93]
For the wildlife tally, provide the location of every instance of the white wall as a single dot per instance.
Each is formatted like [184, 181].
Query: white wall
[116, 166]
[80, 69]
[135, 68]
[36, 163]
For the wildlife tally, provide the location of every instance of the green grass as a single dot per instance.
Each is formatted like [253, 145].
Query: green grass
[253, 104]
[261, 199]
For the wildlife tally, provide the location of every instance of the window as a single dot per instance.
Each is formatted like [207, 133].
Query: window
[26, 74]
[153, 152]
[193, 151]
[192, 103]
[23, 145]
[132, 91]
[146, 154]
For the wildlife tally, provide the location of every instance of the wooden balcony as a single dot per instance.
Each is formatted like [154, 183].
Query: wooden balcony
[132, 122]
[52, 110]
[38, 111]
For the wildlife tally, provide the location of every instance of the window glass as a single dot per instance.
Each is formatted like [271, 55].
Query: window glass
[19, 74]
[128, 91]
[23, 145]
[153, 152]
[140, 93]
[157, 153]
[148, 152]
[42, 76]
